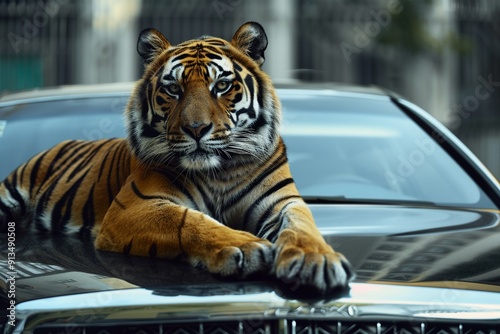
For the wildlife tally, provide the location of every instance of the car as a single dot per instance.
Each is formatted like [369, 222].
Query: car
[408, 204]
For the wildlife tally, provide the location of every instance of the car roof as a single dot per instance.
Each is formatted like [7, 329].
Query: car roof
[112, 89]
[65, 92]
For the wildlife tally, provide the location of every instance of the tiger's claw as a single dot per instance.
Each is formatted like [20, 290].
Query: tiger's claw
[303, 263]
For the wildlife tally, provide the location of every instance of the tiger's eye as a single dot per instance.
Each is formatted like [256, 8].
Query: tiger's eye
[222, 86]
[173, 89]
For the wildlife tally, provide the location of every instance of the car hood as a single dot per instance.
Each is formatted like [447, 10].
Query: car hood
[405, 258]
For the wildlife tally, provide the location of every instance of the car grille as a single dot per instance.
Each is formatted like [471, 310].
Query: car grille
[287, 326]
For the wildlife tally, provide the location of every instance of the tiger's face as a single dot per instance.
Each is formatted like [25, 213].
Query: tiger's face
[205, 103]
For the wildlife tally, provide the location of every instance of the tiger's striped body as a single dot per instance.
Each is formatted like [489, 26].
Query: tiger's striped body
[50, 188]
[203, 173]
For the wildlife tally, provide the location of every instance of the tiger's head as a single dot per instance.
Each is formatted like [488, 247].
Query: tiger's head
[203, 104]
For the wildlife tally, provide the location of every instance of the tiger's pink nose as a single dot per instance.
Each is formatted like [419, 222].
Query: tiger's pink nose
[197, 130]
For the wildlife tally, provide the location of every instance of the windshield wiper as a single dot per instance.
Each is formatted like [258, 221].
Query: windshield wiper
[350, 200]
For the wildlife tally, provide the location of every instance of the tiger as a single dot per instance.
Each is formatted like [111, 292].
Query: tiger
[202, 174]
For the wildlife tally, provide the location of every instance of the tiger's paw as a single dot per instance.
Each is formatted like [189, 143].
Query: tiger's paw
[248, 258]
[305, 261]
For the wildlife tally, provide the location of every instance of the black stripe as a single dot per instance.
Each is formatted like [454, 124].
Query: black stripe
[88, 213]
[87, 157]
[38, 221]
[142, 99]
[213, 41]
[220, 68]
[123, 167]
[238, 77]
[208, 203]
[181, 57]
[120, 204]
[274, 234]
[225, 73]
[58, 219]
[150, 105]
[237, 66]
[250, 85]
[149, 132]
[173, 69]
[14, 193]
[173, 178]
[77, 155]
[272, 237]
[43, 201]
[251, 210]
[112, 169]
[133, 138]
[103, 164]
[260, 91]
[279, 161]
[119, 168]
[128, 248]
[115, 150]
[168, 77]
[9, 215]
[68, 147]
[139, 194]
[265, 216]
[210, 49]
[152, 250]
[237, 98]
[22, 171]
[275, 225]
[60, 161]
[82, 165]
[259, 123]
[160, 100]
[213, 56]
[34, 172]
[249, 111]
[269, 224]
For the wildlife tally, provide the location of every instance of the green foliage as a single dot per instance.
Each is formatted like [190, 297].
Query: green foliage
[408, 31]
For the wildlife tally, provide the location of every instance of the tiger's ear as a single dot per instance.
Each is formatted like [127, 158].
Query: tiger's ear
[151, 44]
[252, 40]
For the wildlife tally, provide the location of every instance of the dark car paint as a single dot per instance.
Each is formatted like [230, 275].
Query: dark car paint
[463, 254]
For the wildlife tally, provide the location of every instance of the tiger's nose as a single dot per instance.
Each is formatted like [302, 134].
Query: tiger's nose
[197, 130]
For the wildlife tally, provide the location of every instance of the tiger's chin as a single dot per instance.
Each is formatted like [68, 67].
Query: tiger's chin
[199, 161]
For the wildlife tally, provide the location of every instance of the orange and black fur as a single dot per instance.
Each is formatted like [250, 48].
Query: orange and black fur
[203, 173]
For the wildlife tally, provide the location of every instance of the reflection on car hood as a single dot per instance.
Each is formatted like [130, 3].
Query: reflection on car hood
[403, 245]
[415, 245]
[443, 257]
[256, 302]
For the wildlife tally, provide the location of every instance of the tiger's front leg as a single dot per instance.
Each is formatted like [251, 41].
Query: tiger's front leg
[303, 258]
[144, 223]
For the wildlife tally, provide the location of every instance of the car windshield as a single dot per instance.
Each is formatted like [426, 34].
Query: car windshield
[352, 148]
[342, 146]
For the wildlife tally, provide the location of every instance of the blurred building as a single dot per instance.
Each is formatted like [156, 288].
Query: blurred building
[442, 55]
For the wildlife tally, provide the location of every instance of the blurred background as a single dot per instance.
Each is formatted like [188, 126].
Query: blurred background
[443, 55]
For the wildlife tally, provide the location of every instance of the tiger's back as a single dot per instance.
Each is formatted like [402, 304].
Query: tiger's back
[68, 186]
